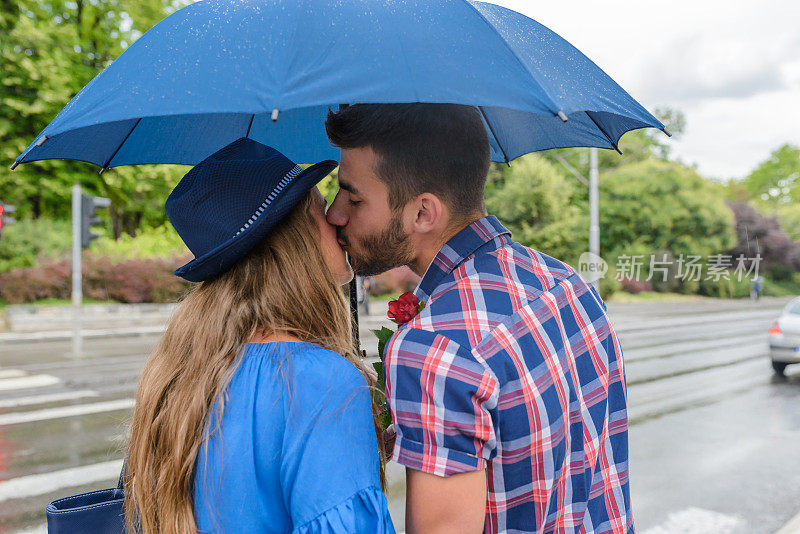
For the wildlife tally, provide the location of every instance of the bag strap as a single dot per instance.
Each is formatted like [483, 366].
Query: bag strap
[121, 482]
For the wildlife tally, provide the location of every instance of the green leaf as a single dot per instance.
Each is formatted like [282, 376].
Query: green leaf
[378, 366]
[383, 335]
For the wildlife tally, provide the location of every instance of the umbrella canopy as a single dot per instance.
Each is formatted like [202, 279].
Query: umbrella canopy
[218, 70]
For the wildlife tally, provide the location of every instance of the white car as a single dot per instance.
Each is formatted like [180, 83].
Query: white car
[784, 337]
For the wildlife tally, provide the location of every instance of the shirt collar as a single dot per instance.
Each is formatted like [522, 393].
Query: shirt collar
[456, 250]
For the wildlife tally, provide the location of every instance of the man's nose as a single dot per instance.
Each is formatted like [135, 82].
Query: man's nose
[336, 214]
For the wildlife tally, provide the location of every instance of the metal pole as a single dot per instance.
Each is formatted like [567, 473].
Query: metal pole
[594, 210]
[77, 290]
[353, 297]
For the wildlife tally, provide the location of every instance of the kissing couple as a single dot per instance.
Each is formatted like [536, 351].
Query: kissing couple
[254, 412]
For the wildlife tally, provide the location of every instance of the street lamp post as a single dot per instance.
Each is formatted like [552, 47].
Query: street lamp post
[77, 290]
[594, 204]
[594, 209]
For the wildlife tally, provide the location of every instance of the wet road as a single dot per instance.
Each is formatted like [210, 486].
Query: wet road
[715, 437]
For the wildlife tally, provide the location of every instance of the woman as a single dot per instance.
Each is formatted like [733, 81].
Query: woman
[253, 413]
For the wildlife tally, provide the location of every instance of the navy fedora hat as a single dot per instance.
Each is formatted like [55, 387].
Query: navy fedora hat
[229, 201]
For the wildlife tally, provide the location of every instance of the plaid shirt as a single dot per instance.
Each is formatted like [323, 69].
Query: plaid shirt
[514, 367]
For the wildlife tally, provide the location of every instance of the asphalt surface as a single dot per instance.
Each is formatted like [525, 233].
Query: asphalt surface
[714, 435]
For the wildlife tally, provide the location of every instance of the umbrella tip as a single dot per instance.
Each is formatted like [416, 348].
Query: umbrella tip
[275, 113]
[561, 116]
[666, 132]
[14, 165]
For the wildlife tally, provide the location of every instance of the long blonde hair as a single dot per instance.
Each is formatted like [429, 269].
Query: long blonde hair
[282, 285]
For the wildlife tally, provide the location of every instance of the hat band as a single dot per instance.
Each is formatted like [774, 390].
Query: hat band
[278, 188]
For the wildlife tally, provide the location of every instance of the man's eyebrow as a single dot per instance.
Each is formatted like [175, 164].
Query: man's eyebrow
[348, 187]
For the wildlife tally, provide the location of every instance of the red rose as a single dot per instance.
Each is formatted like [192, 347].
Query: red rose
[404, 309]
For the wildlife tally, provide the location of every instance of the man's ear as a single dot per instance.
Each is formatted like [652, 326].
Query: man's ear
[428, 214]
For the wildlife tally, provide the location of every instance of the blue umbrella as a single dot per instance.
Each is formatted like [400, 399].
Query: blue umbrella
[218, 70]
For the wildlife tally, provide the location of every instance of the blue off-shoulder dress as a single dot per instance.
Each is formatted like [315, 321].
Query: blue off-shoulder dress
[296, 450]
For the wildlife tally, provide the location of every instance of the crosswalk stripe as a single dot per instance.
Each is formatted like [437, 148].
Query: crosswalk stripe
[698, 521]
[42, 399]
[44, 483]
[66, 411]
[11, 373]
[35, 381]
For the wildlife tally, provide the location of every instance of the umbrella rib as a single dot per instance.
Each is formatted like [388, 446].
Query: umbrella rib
[494, 134]
[519, 59]
[253, 116]
[105, 167]
[608, 137]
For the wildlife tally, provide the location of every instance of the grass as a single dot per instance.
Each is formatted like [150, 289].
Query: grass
[58, 302]
[782, 288]
[652, 296]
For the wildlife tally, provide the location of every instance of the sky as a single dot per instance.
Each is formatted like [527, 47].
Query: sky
[733, 68]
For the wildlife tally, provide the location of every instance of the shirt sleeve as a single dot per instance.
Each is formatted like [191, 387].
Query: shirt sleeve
[329, 464]
[443, 403]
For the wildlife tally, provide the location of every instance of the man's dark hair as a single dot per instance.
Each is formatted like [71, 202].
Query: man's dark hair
[421, 148]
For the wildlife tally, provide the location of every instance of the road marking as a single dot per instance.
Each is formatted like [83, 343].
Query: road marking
[65, 335]
[35, 381]
[66, 411]
[42, 399]
[44, 483]
[11, 373]
[698, 521]
[69, 364]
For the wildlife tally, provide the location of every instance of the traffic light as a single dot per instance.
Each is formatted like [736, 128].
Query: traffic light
[89, 205]
[5, 209]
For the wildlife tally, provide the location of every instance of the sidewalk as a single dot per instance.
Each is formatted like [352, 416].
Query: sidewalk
[27, 318]
[54, 323]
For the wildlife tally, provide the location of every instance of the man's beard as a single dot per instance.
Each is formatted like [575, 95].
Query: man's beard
[380, 252]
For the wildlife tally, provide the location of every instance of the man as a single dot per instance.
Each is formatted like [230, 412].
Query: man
[507, 390]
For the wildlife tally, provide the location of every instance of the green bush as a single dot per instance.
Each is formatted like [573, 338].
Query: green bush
[608, 285]
[782, 288]
[654, 207]
[779, 273]
[733, 288]
[539, 205]
[159, 242]
[28, 241]
[789, 216]
[23, 242]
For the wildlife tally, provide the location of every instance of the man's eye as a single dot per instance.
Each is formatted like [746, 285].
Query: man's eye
[354, 202]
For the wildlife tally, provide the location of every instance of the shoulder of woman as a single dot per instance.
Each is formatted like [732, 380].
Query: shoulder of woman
[318, 363]
[321, 378]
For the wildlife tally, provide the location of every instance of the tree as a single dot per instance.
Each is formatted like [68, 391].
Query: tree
[761, 234]
[789, 216]
[50, 50]
[660, 207]
[776, 181]
[540, 206]
[637, 145]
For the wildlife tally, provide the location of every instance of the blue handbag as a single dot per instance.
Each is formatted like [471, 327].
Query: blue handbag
[101, 511]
